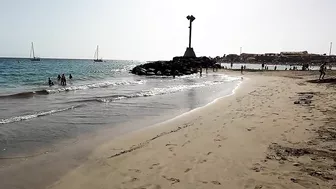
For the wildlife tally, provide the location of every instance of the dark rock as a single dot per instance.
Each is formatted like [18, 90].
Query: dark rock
[177, 66]
[150, 73]
[151, 70]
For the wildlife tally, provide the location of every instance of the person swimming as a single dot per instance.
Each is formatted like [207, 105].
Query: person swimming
[50, 82]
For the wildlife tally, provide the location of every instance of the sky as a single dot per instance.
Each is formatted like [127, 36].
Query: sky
[158, 29]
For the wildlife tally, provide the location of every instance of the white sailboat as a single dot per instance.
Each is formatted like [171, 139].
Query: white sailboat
[96, 56]
[32, 52]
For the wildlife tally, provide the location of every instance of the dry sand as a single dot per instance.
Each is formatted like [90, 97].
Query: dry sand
[256, 138]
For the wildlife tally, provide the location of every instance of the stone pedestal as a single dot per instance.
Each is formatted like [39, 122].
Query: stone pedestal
[189, 53]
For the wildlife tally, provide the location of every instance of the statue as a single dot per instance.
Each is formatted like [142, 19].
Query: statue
[190, 51]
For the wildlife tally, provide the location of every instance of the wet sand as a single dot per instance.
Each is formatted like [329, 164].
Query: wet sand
[276, 131]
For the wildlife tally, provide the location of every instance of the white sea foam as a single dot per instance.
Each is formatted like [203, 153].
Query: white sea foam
[168, 89]
[35, 115]
[96, 85]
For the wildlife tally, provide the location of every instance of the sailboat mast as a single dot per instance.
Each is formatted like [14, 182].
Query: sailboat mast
[330, 48]
[97, 52]
[33, 50]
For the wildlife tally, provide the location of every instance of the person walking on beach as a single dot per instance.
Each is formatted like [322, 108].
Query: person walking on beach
[241, 69]
[322, 71]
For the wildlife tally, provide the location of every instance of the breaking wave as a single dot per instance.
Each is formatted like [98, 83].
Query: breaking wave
[72, 88]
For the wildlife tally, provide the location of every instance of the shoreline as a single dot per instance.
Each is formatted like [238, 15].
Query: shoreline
[195, 109]
[234, 137]
[159, 129]
[68, 152]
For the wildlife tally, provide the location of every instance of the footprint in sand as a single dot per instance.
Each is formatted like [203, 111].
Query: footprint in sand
[187, 170]
[150, 186]
[219, 138]
[209, 153]
[186, 143]
[250, 129]
[202, 161]
[169, 144]
[216, 182]
[173, 180]
[133, 179]
[154, 165]
[135, 170]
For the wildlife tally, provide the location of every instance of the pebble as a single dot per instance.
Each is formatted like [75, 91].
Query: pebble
[258, 187]
[294, 180]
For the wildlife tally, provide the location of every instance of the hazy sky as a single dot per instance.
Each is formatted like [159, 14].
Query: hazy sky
[158, 29]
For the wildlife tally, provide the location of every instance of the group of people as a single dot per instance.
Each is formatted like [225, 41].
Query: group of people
[61, 80]
[242, 68]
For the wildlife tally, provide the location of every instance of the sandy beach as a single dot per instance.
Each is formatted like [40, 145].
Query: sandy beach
[276, 131]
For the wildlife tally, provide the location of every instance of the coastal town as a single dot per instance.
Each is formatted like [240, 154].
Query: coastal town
[293, 57]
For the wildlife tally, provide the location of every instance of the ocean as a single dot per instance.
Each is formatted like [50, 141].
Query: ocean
[36, 119]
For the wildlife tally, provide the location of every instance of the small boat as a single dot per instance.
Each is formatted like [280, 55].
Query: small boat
[32, 52]
[96, 56]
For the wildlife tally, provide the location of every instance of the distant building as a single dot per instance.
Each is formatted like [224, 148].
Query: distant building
[298, 53]
[272, 54]
[249, 57]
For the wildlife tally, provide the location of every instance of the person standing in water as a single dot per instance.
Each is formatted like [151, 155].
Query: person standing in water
[70, 76]
[58, 78]
[50, 82]
[63, 80]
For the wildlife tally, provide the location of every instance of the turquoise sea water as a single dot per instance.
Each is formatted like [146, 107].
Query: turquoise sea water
[22, 75]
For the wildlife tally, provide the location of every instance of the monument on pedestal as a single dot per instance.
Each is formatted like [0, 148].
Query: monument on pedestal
[189, 53]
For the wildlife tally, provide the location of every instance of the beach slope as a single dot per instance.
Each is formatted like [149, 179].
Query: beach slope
[246, 140]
